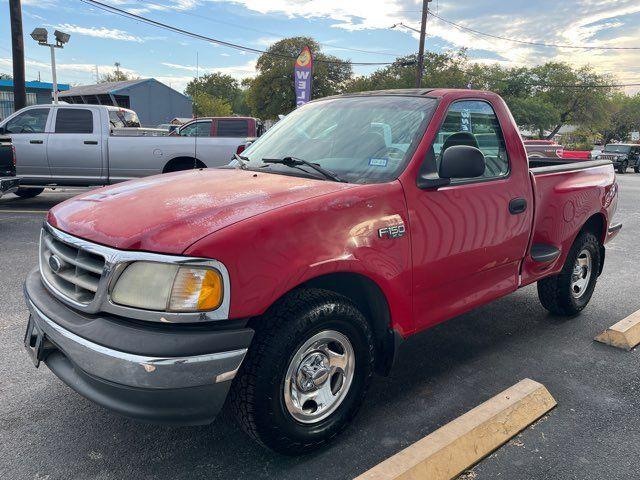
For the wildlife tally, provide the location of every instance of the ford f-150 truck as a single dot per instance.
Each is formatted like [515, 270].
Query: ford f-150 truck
[289, 277]
[88, 145]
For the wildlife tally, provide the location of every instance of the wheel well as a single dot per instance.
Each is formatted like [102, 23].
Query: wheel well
[182, 163]
[596, 224]
[372, 303]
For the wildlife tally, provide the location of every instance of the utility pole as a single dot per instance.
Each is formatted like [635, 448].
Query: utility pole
[423, 34]
[17, 53]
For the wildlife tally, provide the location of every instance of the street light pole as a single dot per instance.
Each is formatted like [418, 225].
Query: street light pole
[423, 34]
[40, 35]
[53, 73]
[17, 55]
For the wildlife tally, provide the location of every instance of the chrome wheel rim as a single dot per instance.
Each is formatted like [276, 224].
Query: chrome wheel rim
[581, 274]
[319, 376]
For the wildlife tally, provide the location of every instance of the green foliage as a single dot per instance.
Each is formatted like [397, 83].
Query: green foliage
[271, 92]
[623, 118]
[221, 86]
[116, 76]
[5, 76]
[205, 105]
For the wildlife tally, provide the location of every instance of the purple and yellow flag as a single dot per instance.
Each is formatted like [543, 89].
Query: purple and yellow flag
[303, 75]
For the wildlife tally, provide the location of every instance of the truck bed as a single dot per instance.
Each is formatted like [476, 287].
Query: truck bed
[565, 191]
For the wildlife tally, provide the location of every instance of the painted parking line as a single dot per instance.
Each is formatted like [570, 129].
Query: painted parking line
[463, 442]
[624, 334]
[25, 211]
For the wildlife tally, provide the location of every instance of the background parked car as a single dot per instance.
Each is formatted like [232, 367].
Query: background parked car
[86, 145]
[543, 148]
[623, 156]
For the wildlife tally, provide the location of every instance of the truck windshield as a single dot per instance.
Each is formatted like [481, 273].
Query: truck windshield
[617, 148]
[360, 139]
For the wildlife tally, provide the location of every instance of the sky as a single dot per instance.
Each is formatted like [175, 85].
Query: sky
[99, 39]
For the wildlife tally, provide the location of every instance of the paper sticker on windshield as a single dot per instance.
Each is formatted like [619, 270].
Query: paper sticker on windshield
[378, 162]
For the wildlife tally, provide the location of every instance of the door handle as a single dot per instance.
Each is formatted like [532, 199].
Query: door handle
[517, 205]
[36, 142]
[90, 142]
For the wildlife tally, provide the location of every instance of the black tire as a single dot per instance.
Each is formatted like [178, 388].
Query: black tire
[555, 292]
[636, 169]
[28, 192]
[622, 169]
[257, 397]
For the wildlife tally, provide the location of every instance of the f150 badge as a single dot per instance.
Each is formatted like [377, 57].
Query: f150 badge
[392, 231]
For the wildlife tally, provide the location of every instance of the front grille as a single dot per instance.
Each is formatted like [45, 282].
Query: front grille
[72, 271]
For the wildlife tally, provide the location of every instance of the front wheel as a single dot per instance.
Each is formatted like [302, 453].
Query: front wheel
[306, 373]
[623, 167]
[570, 291]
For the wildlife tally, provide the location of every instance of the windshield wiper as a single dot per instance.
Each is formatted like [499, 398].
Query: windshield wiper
[296, 162]
[242, 161]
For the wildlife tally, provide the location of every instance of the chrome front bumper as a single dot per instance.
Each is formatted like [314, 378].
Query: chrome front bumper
[149, 372]
[137, 370]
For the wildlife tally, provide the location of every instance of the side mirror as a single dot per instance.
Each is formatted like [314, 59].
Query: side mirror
[458, 161]
[462, 161]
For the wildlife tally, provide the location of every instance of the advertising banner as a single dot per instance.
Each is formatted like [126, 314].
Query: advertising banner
[303, 76]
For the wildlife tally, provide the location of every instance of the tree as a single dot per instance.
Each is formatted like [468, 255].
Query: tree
[271, 92]
[205, 105]
[220, 86]
[622, 119]
[5, 76]
[116, 76]
[533, 113]
[578, 96]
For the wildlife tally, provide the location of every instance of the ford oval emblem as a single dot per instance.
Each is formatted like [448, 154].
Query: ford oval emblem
[55, 264]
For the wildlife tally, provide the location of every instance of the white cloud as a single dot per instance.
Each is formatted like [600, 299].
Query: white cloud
[101, 32]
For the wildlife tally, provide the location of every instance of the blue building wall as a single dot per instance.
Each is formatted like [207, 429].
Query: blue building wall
[37, 93]
[156, 103]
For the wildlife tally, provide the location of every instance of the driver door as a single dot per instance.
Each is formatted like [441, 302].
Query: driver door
[29, 134]
[467, 242]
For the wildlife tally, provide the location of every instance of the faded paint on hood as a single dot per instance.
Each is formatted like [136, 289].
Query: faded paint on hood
[167, 213]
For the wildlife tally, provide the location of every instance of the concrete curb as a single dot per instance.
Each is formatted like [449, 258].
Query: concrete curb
[463, 442]
[624, 334]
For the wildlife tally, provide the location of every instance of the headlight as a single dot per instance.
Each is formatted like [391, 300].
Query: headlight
[168, 287]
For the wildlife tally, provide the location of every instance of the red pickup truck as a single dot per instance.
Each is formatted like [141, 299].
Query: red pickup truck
[289, 277]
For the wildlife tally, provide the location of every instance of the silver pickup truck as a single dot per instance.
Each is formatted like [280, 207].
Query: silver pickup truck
[88, 145]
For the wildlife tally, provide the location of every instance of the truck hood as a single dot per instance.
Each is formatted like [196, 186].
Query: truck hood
[167, 213]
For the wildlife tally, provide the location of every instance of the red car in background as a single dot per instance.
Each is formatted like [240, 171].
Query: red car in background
[543, 149]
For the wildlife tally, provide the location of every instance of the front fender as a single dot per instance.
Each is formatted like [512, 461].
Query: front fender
[272, 253]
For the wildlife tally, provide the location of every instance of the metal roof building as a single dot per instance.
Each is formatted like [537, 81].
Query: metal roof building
[153, 101]
[37, 93]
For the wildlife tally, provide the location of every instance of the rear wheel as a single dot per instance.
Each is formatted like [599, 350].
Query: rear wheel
[28, 192]
[306, 373]
[570, 291]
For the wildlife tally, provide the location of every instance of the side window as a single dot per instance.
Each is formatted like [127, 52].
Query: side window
[200, 129]
[31, 121]
[474, 123]
[74, 120]
[232, 128]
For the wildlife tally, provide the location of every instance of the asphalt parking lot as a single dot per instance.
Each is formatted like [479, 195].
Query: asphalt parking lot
[49, 432]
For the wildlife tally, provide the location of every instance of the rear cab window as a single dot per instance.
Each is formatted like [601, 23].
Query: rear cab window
[196, 129]
[232, 128]
[123, 119]
[74, 120]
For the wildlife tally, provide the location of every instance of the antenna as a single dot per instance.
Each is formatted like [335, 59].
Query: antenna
[195, 140]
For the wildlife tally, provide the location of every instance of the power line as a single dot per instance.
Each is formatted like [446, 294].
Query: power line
[526, 42]
[245, 27]
[123, 13]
